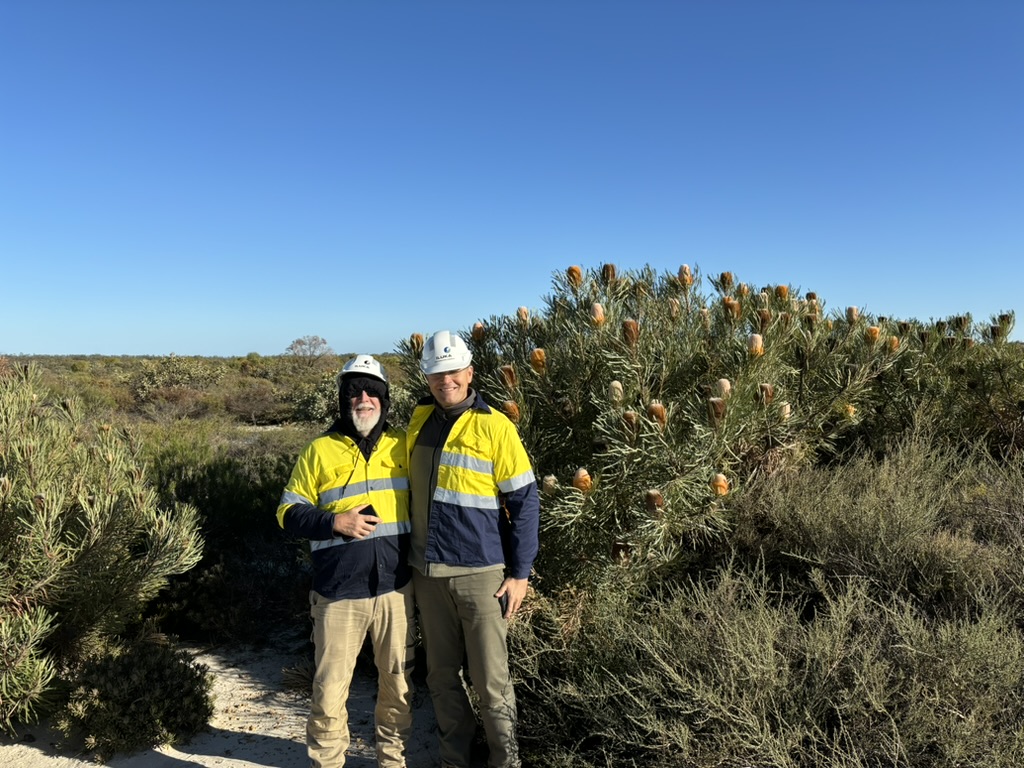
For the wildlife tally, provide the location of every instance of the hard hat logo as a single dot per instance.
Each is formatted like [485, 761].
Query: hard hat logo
[362, 365]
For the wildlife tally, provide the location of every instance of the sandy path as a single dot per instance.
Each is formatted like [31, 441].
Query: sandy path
[257, 722]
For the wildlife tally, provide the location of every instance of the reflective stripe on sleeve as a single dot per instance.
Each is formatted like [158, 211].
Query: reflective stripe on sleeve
[517, 482]
[290, 497]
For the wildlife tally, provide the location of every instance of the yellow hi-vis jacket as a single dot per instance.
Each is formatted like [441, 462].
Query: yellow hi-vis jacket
[331, 476]
[484, 509]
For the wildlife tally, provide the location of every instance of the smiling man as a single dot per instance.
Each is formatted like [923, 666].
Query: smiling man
[349, 495]
[475, 515]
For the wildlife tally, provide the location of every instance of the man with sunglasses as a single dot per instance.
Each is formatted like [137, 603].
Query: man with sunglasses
[349, 495]
[475, 515]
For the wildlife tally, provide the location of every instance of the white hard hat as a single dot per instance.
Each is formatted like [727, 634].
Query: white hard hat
[444, 351]
[363, 365]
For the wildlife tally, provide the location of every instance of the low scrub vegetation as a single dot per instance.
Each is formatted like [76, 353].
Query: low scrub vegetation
[774, 535]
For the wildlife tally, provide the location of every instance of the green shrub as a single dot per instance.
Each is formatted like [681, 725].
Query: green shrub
[84, 543]
[136, 696]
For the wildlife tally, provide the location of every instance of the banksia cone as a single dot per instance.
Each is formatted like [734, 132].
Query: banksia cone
[581, 480]
[416, 343]
[630, 331]
[596, 314]
[673, 307]
[685, 276]
[524, 315]
[653, 500]
[538, 359]
[630, 421]
[782, 291]
[996, 332]
[511, 410]
[725, 280]
[894, 343]
[575, 276]
[764, 319]
[615, 392]
[656, 412]
[765, 393]
[812, 296]
[549, 485]
[705, 317]
[723, 387]
[608, 274]
[508, 376]
[871, 333]
[763, 299]
[904, 327]
[755, 345]
[479, 332]
[731, 307]
[852, 313]
[720, 484]
[716, 411]
[962, 322]
[743, 290]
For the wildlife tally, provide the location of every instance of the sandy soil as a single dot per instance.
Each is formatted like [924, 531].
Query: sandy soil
[258, 721]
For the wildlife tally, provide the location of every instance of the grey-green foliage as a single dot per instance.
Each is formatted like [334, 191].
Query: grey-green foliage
[83, 543]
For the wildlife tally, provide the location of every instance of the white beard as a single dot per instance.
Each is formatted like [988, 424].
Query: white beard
[365, 421]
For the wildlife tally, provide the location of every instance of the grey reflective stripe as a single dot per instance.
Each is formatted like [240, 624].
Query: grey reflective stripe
[517, 482]
[381, 531]
[463, 461]
[465, 499]
[363, 487]
[289, 497]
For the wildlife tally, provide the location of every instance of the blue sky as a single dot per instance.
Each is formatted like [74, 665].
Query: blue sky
[220, 177]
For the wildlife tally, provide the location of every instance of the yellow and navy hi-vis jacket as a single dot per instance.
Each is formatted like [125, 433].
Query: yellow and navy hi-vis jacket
[332, 476]
[485, 509]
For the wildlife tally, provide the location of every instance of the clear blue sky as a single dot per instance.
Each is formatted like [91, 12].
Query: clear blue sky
[218, 177]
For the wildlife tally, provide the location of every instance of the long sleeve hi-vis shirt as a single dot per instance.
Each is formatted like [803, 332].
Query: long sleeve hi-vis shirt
[332, 476]
[484, 509]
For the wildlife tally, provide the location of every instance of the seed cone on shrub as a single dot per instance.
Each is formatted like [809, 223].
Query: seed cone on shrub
[871, 333]
[720, 484]
[574, 275]
[549, 485]
[508, 376]
[511, 409]
[685, 276]
[654, 500]
[716, 411]
[608, 274]
[656, 412]
[630, 331]
[538, 360]
[479, 332]
[524, 315]
[416, 343]
[581, 481]
[597, 314]
[615, 393]
[755, 345]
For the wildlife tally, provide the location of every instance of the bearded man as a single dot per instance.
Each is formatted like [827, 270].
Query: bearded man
[349, 495]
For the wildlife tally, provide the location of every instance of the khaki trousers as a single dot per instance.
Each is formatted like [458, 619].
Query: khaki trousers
[339, 630]
[460, 619]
